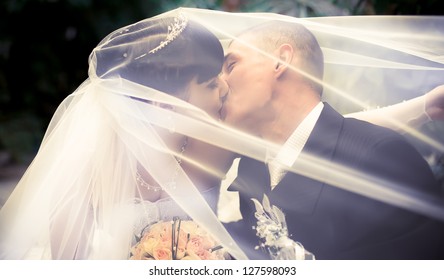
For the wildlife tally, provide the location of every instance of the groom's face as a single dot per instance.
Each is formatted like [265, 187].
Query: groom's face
[249, 75]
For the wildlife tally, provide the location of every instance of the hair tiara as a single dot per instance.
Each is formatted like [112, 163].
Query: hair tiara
[174, 29]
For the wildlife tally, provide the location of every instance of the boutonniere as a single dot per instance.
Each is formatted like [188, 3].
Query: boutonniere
[272, 230]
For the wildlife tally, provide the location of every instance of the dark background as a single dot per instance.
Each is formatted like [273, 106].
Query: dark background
[45, 44]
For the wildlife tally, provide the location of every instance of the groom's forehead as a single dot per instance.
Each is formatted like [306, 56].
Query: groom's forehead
[241, 44]
[236, 52]
[242, 47]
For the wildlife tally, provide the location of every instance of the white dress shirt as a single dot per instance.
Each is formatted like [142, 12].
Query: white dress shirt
[289, 152]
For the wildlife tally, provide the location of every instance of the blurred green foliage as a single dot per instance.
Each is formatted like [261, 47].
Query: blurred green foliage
[44, 49]
[45, 44]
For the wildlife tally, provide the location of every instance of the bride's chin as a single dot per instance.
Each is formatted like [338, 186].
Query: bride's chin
[222, 114]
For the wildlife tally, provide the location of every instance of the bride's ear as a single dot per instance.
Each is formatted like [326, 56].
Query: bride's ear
[283, 59]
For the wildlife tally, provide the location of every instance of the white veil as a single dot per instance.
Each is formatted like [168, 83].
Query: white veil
[82, 182]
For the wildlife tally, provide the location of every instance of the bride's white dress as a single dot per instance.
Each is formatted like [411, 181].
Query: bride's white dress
[145, 213]
[166, 209]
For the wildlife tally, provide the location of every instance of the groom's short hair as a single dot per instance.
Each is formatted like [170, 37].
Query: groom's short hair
[270, 35]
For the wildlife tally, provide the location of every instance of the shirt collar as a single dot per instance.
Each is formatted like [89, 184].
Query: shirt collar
[290, 150]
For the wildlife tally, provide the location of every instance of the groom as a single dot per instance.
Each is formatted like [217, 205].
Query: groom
[278, 98]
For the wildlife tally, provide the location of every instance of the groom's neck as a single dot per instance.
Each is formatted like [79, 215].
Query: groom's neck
[289, 112]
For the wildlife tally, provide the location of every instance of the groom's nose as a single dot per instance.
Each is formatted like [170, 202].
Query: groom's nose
[223, 76]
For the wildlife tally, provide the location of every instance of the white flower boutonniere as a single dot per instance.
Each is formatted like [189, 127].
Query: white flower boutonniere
[272, 230]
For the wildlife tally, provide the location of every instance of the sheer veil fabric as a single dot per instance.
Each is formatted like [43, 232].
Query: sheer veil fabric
[76, 199]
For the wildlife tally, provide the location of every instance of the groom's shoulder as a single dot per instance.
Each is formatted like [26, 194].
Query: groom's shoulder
[356, 136]
[383, 143]
[380, 150]
[369, 131]
[378, 143]
[362, 130]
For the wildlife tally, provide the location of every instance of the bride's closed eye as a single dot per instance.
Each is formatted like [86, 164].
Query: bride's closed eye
[213, 84]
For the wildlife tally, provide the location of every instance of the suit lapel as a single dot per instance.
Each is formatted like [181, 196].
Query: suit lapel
[252, 180]
[299, 193]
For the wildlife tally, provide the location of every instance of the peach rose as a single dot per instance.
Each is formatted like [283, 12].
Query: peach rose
[180, 254]
[149, 244]
[183, 239]
[189, 227]
[191, 256]
[188, 258]
[138, 253]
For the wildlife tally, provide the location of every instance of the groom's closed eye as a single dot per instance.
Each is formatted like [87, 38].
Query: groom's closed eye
[229, 63]
[230, 66]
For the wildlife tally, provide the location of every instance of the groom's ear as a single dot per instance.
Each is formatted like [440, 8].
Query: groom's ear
[283, 59]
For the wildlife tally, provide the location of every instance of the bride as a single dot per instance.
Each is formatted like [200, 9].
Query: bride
[141, 141]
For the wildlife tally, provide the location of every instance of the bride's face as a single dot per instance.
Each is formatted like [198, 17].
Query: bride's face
[207, 95]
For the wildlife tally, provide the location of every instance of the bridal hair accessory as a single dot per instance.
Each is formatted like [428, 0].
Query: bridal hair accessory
[174, 29]
[172, 184]
[272, 230]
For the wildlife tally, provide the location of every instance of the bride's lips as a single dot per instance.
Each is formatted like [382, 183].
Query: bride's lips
[222, 112]
[222, 109]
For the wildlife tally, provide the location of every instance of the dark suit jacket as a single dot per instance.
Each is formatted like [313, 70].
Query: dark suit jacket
[334, 223]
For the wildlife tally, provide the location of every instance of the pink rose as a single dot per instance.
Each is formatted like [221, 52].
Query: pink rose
[195, 244]
[162, 253]
[206, 255]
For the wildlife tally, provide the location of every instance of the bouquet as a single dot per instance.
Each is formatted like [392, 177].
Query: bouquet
[176, 240]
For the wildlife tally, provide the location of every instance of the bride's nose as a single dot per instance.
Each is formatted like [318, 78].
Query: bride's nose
[223, 76]
[223, 89]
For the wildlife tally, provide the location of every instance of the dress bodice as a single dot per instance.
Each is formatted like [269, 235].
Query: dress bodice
[166, 209]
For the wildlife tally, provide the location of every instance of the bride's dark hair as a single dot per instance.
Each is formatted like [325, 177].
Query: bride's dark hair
[138, 53]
